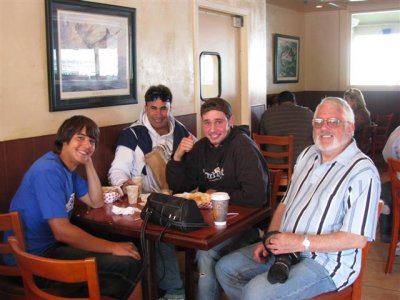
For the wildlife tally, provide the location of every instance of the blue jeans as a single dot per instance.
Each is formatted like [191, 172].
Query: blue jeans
[385, 221]
[167, 268]
[243, 278]
[208, 287]
[118, 275]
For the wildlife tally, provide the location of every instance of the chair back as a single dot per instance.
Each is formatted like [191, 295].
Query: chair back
[352, 292]
[9, 288]
[69, 271]
[366, 143]
[382, 131]
[394, 170]
[10, 221]
[274, 181]
[284, 154]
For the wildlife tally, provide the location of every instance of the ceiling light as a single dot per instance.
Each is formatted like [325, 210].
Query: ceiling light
[318, 6]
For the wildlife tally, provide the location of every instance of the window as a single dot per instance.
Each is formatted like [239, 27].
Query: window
[375, 48]
[210, 75]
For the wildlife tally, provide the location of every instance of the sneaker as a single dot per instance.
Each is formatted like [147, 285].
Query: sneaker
[386, 210]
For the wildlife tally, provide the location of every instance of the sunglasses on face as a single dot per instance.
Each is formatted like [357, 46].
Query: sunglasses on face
[330, 122]
[157, 95]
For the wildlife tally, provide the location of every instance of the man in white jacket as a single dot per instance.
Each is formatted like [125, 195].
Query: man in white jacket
[156, 128]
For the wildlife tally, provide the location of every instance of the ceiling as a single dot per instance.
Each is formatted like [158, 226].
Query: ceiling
[327, 5]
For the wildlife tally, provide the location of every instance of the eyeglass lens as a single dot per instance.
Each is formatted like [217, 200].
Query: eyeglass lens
[330, 122]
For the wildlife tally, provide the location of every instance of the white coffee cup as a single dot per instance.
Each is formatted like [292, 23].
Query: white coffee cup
[220, 202]
[133, 193]
[138, 180]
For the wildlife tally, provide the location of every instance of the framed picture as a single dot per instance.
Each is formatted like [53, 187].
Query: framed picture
[91, 54]
[286, 67]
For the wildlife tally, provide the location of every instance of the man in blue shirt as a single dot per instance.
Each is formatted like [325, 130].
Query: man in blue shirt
[45, 200]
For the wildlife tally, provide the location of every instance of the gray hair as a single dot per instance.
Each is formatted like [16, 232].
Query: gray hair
[339, 102]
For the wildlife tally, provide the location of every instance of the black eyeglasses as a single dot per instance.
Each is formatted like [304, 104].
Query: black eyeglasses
[330, 122]
[157, 95]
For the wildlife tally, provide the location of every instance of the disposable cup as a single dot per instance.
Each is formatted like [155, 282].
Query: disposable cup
[220, 202]
[138, 180]
[133, 193]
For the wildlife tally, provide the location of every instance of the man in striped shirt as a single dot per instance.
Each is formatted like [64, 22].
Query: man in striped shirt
[328, 215]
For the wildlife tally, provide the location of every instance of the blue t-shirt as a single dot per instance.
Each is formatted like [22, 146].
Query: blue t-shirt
[47, 191]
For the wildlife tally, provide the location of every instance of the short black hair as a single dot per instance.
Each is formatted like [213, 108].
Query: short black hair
[74, 125]
[286, 96]
[216, 104]
[158, 91]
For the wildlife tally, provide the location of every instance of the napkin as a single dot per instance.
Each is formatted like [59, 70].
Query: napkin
[129, 210]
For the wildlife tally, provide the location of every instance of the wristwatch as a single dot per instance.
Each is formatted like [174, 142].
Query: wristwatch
[306, 243]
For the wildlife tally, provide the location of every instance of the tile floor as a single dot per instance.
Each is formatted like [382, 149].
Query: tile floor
[376, 284]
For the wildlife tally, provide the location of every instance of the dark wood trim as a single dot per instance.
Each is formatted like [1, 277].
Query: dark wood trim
[16, 156]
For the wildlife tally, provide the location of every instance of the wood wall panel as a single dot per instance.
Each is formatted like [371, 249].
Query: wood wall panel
[16, 156]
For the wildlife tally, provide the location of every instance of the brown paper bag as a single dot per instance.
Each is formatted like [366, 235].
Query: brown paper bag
[157, 163]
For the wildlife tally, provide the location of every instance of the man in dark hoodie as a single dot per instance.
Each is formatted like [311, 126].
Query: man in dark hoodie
[225, 160]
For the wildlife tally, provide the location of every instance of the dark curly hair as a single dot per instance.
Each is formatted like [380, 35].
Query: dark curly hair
[74, 125]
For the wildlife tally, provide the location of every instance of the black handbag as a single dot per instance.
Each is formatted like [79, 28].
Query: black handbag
[172, 212]
[169, 212]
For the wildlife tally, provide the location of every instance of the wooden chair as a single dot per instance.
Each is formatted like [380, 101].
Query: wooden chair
[381, 133]
[68, 271]
[10, 288]
[275, 180]
[367, 139]
[394, 169]
[284, 152]
[352, 292]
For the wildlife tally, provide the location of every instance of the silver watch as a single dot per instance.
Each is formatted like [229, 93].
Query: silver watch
[306, 243]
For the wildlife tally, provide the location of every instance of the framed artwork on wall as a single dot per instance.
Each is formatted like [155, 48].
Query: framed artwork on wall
[286, 52]
[91, 54]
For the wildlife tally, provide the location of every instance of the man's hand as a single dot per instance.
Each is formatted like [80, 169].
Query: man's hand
[259, 253]
[185, 146]
[126, 249]
[285, 242]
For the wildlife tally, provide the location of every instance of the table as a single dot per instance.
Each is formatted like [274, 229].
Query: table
[103, 220]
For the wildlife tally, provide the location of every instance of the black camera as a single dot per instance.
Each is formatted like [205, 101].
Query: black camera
[279, 271]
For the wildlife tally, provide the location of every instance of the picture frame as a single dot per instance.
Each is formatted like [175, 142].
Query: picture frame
[91, 54]
[286, 55]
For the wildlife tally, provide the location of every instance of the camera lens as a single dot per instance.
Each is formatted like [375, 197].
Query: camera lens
[279, 271]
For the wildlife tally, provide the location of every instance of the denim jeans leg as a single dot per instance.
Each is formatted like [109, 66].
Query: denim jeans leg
[208, 287]
[385, 221]
[306, 280]
[235, 270]
[167, 269]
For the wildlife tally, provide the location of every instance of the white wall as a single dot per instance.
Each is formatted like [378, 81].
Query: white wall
[165, 54]
[324, 46]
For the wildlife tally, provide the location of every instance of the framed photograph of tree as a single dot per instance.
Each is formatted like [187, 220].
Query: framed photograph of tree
[91, 54]
[286, 52]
